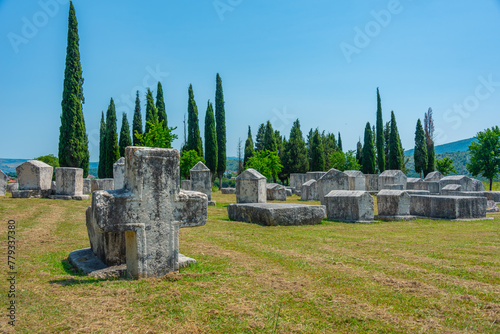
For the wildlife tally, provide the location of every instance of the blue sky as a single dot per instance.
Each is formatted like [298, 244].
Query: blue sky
[320, 61]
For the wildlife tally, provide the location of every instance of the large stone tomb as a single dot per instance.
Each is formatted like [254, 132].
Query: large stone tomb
[140, 222]
[272, 214]
[69, 184]
[350, 206]
[251, 187]
[275, 192]
[448, 207]
[35, 179]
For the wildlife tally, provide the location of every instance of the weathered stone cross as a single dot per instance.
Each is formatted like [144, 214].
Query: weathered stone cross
[140, 223]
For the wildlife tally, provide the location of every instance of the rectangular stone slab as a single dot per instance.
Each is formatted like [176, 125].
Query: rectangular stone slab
[272, 214]
[448, 207]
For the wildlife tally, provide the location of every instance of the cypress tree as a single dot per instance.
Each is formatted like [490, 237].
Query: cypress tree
[259, 139]
[269, 139]
[112, 150]
[380, 140]
[339, 144]
[420, 152]
[330, 146]
[369, 159]
[295, 157]
[395, 156]
[359, 152]
[317, 153]
[249, 150]
[160, 106]
[73, 142]
[220, 118]
[137, 121]
[151, 112]
[210, 140]
[429, 135]
[387, 134]
[194, 138]
[125, 139]
[102, 149]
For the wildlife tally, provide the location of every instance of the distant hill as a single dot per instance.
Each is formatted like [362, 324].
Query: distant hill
[456, 146]
[8, 166]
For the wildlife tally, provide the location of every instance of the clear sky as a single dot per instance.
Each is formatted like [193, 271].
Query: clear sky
[318, 60]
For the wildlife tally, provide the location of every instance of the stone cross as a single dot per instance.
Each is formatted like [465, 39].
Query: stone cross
[145, 215]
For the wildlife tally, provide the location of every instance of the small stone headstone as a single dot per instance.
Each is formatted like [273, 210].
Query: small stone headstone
[463, 180]
[228, 191]
[201, 179]
[350, 206]
[356, 180]
[186, 185]
[393, 203]
[391, 176]
[119, 173]
[332, 180]
[433, 177]
[275, 192]
[309, 191]
[69, 183]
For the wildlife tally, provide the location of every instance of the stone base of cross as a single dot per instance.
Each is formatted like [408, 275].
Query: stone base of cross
[139, 224]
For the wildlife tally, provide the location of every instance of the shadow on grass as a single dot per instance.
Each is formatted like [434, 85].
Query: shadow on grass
[73, 281]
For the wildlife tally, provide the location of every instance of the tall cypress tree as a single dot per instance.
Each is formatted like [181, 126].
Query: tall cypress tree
[259, 139]
[330, 146]
[112, 150]
[395, 156]
[339, 143]
[380, 140]
[220, 118]
[194, 138]
[295, 158]
[160, 106]
[73, 142]
[137, 121]
[429, 135]
[420, 152]
[210, 140]
[249, 150]
[387, 134]
[269, 138]
[359, 152]
[369, 160]
[102, 149]
[317, 153]
[151, 112]
[125, 139]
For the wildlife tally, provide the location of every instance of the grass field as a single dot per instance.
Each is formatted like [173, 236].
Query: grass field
[392, 277]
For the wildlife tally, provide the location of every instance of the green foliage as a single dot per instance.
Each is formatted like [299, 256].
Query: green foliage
[380, 140]
[387, 134]
[420, 152]
[339, 143]
[137, 121]
[210, 140]
[395, 160]
[317, 153]
[330, 146]
[157, 136]
[73, 143]
[266, 162]
[344, 161]
[259, 139]
[51, 160]
[101, 169]
[269, 139]
[359, 152]
[125, 139]
[430, 158]
[220, 118]
[249, 150]
[445, 166]
[295, 155]
[111, 141]
[188, 160]
[194, 138]
[160, 106]
[151, 111]
[485, 154]
[369, 159]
